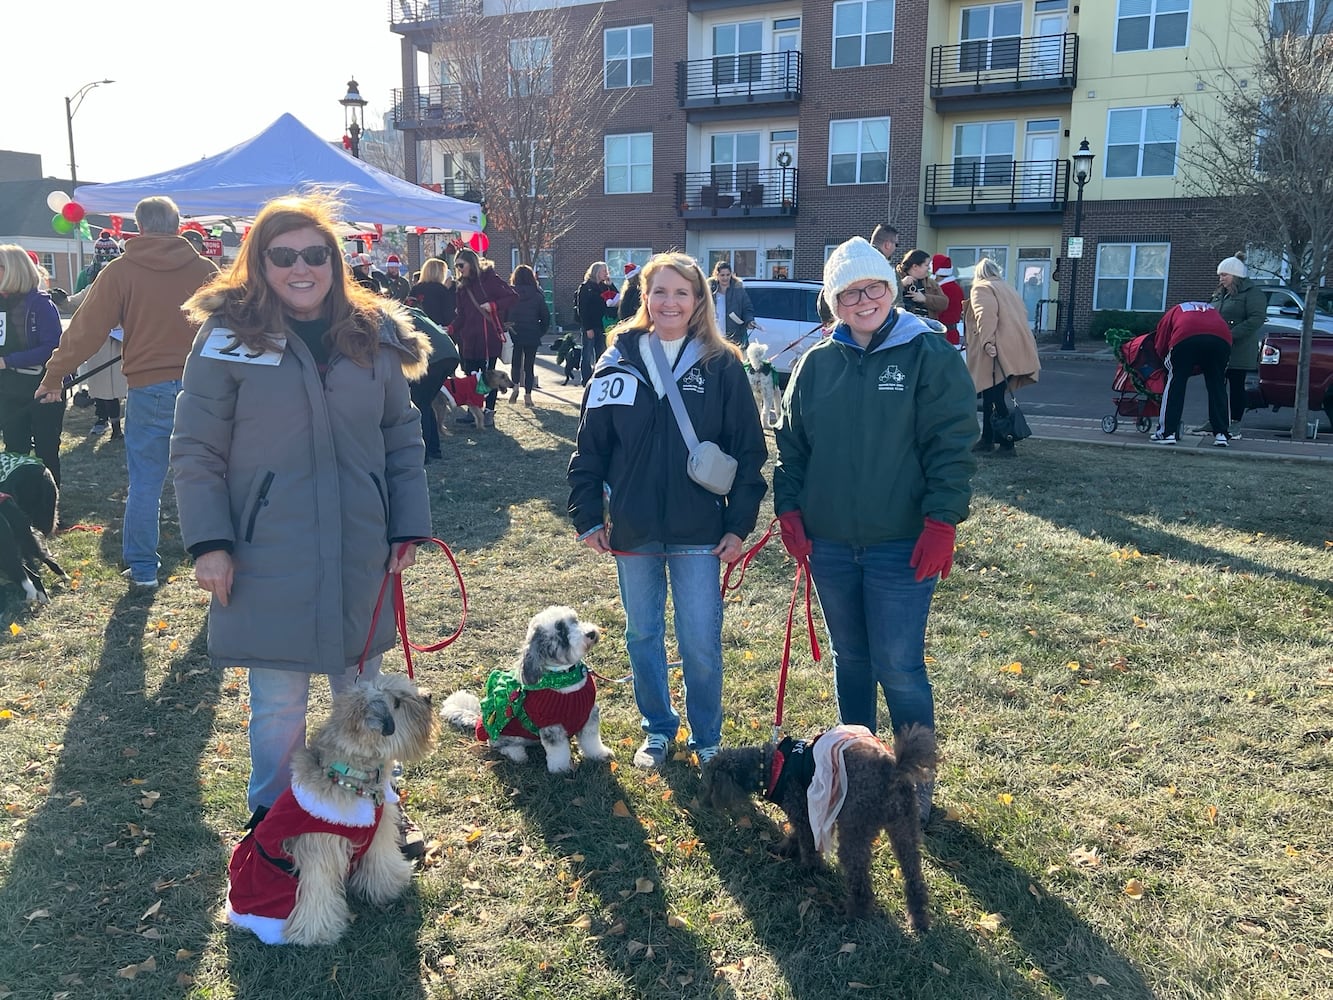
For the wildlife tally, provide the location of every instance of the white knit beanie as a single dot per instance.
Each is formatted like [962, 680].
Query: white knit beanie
[1234, 265]
[856, 260]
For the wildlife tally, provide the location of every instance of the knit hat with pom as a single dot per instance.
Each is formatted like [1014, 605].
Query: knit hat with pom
[1234, 265]
[856, 260]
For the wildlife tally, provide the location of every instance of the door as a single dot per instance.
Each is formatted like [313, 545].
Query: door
[1048, 51]
[1035, 284]
[782, 167]
[1040, 149]
[787, 44]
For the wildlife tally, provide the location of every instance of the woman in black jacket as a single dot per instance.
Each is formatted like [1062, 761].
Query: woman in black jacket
[529, 319]
[597, 300]
[435, 296]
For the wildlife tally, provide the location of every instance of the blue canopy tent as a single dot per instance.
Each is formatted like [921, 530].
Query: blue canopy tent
[286, 158]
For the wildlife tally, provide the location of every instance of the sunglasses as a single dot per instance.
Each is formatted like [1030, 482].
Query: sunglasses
[315, 256]
[851, 296]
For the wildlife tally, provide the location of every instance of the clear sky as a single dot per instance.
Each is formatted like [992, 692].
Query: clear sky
[192, 77]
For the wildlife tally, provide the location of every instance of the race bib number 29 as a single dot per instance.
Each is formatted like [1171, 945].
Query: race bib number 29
[616, 389]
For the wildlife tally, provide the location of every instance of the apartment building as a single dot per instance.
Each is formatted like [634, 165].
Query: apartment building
[768, 132]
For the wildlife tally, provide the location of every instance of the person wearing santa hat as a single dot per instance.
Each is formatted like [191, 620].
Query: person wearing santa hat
[951, 315]
[630, 293]
[395, 285]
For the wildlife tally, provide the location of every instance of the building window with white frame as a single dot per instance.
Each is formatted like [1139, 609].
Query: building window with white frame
[530, 70]
[990, 36]
[1131, 276]
[627, 57]
[629, 163]
[1141, 142]
[1302, 17]
[965, 261]
[1151, 24]
[983, 153]
[862, 33]
[858, 151]
[744, 261]
[534, 160]
[617, 257]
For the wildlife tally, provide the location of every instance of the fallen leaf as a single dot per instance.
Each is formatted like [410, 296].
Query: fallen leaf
[854, 985]
[990, 922]
[1212, 815]
[1012, 668]
[583, 923]
[38, 915]
[151, 911]
[847, 948]
[942, 970]
[680, 923]
[634, 947]
[644, 885]
[620, 809]
[1134, 889]
[15, 628]
[716, 918]
[182, 955]
[1005, 799]
[1097, 980]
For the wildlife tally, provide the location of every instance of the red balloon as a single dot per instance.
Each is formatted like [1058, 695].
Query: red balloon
[479, 242]
[73, 211]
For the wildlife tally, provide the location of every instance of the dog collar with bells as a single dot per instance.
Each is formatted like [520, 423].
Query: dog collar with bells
[366, 784]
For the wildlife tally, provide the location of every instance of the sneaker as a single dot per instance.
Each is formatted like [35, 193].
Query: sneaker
[1233, 431]
[101, 427]
[138, 584]
[652, 752]
[1219, 441]
[705, 754]
[1159, 438]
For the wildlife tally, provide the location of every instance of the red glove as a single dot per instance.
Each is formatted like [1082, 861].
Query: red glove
[793, 535]
[934, 550]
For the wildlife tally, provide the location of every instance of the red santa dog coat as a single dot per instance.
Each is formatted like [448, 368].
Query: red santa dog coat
[463, 390]
[262, 889]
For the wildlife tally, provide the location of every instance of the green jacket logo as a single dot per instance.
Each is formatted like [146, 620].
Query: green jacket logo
[892, 380]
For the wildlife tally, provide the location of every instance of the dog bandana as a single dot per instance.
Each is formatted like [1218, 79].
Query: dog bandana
[828, 788]
[511, 708]
[9, 462]
[262, 879]
[793, 763]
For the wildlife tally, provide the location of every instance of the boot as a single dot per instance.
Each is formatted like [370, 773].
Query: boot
[527, 400]
[115, 430]
[513, 396]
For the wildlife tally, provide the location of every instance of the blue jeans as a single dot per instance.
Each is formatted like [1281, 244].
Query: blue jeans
[149, 418]
[696, 594]
[277, 724]
[876, 615]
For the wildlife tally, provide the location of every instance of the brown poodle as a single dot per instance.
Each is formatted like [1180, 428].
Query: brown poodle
[880, 794]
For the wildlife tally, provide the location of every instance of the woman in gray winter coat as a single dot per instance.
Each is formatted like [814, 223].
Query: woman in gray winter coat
[299, 466]
[1244, 306]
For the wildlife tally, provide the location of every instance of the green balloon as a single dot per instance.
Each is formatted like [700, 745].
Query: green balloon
[61, 224]
[483, 220]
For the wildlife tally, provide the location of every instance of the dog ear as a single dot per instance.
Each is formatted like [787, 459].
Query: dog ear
[530, 666]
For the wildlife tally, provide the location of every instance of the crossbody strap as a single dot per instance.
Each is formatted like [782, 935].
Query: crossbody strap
[672, 391]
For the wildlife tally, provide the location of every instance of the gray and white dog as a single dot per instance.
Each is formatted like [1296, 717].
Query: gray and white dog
[548, 696]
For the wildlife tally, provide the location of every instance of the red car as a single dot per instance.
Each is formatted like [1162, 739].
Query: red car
[1280, 340]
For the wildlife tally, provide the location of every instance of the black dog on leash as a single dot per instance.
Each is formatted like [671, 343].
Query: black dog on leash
[28, 509]
[569, 354]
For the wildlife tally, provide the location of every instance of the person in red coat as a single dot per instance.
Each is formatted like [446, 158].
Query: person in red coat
[942, 267]
[483, 301]
[1193, 335]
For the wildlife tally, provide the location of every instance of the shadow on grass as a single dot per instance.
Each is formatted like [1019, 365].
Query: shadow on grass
[121, 829]
[610, 855]
[1053, 939]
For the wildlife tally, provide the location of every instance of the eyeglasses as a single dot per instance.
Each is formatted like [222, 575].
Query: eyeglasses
[315, 256]
[851, 296]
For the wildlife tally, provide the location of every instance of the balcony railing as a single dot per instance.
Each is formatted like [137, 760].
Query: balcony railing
[1004, 66]
[749, 78]
[438, 106]
[416, 15]
[1000, 187]
[734, 192]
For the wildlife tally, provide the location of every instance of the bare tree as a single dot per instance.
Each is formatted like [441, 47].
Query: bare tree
[528, 82]
[1265, 145]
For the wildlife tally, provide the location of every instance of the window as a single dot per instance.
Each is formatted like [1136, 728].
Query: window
[47, 262]
[1141, 142]
[965, 261]
[738, 52]
[1151, 24]
[990, 37]
[983, 153]
[533, 160]
[627, 57]
[862, 33]
[1131, 276]
[629, 163]
[1302, 17]
[744, 262]
[734, 160]
[617, 257]
[858, 151]
[530, 67]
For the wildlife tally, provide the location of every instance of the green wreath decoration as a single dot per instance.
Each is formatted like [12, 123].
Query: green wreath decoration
[784, 159]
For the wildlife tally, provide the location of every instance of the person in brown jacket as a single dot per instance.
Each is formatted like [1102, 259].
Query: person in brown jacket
[1001, 351]
[142, 292]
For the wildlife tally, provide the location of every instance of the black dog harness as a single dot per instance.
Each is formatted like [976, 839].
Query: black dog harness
[793, 763]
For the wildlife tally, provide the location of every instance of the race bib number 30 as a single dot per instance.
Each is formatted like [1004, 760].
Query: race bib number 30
[3, 327]
[616, 389]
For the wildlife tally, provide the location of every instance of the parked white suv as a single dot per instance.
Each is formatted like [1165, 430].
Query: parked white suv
[786, 318]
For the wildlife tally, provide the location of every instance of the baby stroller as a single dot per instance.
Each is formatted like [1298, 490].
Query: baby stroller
[1140, 380]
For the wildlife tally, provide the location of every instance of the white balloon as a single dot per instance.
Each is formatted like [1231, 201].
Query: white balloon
[57, 200]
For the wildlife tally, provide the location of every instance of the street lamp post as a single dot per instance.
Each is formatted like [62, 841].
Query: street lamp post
[1082, 171]
[71, 108]
[354, 118]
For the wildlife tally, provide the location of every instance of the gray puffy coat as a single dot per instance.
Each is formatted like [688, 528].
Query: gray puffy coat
[307, 481]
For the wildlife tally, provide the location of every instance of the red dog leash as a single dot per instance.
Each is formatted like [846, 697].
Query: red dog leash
[802, 576]
[400, 609]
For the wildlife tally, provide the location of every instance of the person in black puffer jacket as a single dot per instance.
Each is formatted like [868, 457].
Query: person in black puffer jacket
[435, 296]
[596, 301]
[529, 319]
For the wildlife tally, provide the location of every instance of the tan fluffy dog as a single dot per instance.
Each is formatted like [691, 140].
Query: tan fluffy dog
[469, 392]
[336, 828]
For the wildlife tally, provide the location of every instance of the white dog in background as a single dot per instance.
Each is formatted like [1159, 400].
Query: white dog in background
[760, 371]
[547, 697]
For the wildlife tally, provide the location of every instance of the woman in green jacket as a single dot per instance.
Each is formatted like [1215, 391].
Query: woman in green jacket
[1244, 306]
